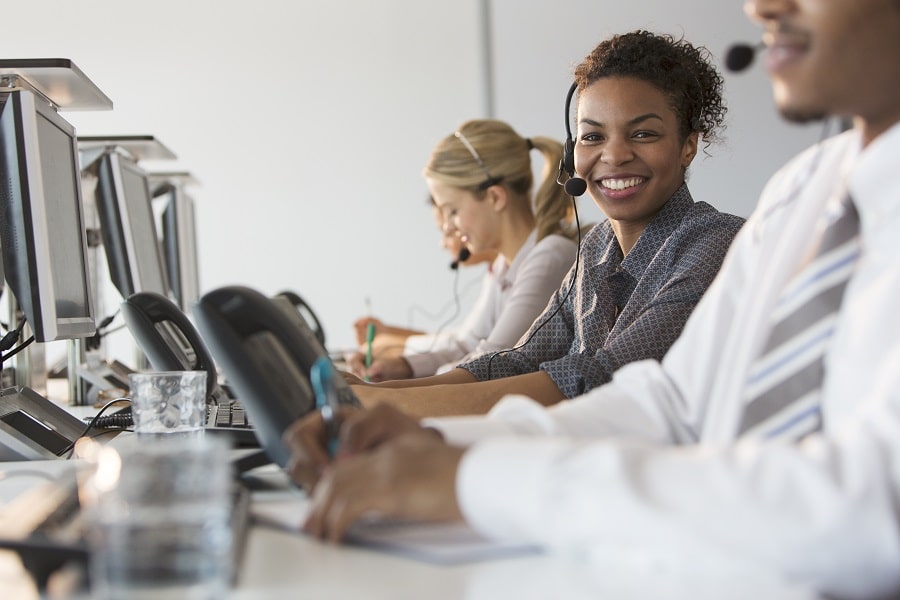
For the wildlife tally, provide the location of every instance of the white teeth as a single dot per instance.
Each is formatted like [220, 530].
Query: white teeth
[621, 184]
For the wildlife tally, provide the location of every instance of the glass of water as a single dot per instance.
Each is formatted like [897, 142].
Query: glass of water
[167, 402]
[158, 520]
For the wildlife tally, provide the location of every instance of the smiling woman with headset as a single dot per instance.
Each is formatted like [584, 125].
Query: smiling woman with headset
[643, 102]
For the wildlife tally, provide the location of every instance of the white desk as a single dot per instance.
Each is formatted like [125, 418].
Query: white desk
[282, 565]
[277, 564]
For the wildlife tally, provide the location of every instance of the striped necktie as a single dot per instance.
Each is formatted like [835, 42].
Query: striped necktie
[782, 392]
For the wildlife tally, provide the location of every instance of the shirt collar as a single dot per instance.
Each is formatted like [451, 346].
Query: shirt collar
[506, 274]
[658, 231]
[873, 181]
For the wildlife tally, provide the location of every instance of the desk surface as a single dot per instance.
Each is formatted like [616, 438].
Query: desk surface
[281, 564]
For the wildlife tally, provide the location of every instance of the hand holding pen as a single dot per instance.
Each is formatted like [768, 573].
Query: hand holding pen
[311, 438]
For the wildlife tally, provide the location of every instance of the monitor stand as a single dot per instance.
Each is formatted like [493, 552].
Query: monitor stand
[176, 178]
[103, 375]
[58, 80]
[34, 428]
[137, 147]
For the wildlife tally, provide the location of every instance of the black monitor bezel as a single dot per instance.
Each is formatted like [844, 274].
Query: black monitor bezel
[123, 257]
[27, 259]
[179, 238]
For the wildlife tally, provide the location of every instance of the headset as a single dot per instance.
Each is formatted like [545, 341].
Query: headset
[696, 121]
[575, 186]
[463, 256]
[490, 179]
[740, 56]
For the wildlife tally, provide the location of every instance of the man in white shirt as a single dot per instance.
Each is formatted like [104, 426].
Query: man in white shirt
[667, 454]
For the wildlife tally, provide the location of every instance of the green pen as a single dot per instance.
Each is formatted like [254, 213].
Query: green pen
[370, 335]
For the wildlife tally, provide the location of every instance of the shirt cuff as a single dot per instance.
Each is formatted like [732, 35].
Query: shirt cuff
[422, 364]
[500, 486]
[515, 414]
[465, 431]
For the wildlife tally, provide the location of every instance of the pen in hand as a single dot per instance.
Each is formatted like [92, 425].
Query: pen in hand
[321, 376]
[370, 335]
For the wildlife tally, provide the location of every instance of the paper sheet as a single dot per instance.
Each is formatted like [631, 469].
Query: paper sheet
[445, 544]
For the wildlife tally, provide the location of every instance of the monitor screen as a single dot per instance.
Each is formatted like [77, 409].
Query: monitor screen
[128, 227]
[42, 231]
[180, 246]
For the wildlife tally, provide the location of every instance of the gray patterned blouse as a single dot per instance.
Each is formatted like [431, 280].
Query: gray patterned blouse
[621, 310]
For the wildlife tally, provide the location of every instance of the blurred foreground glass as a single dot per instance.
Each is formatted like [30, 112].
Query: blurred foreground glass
[158, 514]
[167, 402]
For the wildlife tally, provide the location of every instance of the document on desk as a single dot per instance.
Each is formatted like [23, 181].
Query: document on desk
[436, 543]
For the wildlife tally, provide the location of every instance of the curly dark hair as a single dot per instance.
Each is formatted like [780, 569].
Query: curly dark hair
[685, 74]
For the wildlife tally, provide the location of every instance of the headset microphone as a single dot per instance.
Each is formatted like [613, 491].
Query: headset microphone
[575, 186]
[740, 56]
[463, 256]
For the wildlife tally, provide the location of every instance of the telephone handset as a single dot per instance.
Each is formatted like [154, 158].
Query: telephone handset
[266, 349]
[168, 338]
[305, 311]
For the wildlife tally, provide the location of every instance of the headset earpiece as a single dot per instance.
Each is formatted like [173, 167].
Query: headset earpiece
[696, 121]
[568, 159]
[567, 164]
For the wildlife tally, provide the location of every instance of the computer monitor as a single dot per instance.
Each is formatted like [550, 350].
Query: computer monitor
[179, 239]
[128, 226]
[41, 221]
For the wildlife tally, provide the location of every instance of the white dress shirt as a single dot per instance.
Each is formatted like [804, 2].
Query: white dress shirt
[511, 299]
[823, 510]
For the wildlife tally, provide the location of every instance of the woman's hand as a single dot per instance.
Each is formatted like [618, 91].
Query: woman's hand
[361, 326]
[381, 369]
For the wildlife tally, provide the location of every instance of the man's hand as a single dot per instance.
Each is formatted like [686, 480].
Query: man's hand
[411, 477]
[360, 431]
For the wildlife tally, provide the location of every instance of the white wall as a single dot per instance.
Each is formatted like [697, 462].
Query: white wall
[307, 123]
[537, 45]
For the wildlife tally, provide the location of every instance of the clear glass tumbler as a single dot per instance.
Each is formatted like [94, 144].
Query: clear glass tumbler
[167, 402]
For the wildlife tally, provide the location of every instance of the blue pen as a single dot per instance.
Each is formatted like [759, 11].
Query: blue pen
[321, 375]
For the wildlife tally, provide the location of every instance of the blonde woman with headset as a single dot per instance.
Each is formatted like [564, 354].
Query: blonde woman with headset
[481, 180]
[390, 340]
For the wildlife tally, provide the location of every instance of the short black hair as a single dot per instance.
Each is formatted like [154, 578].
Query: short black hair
[683, 72]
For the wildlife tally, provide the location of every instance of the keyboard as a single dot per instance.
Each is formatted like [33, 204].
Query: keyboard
[230, 414]
[226, 418]
[230, 419]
